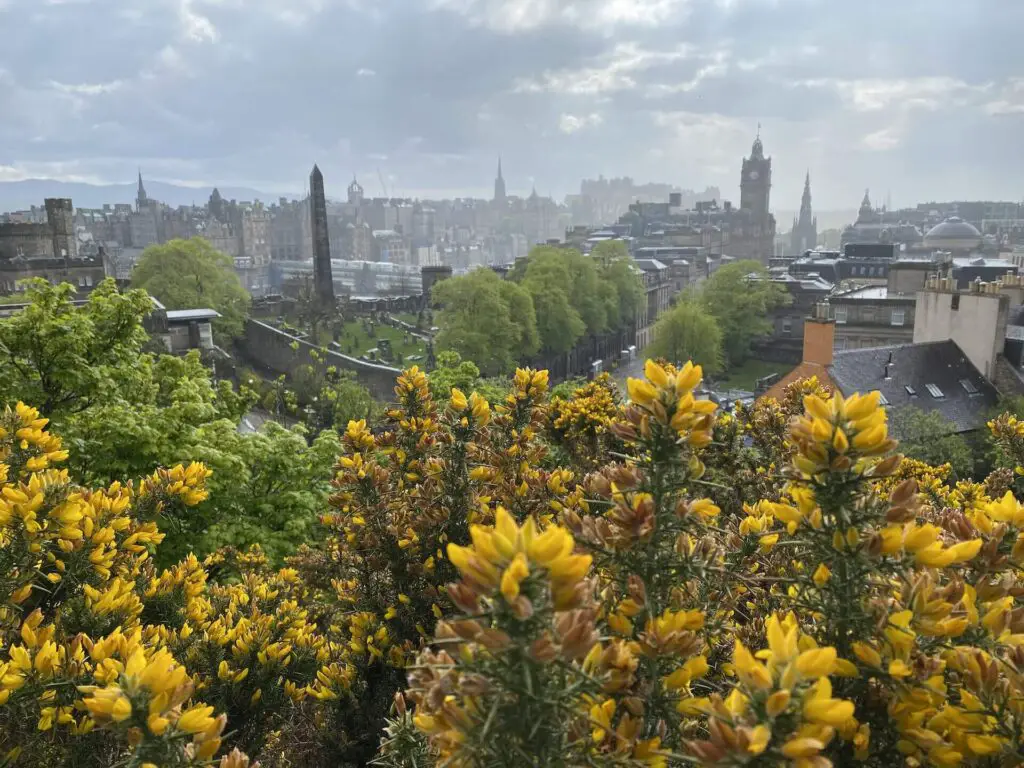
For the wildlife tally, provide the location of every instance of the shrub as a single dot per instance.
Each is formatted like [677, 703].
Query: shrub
[774, 587]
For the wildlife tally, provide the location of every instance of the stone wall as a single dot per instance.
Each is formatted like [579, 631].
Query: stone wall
[30, 241]
[272, 349]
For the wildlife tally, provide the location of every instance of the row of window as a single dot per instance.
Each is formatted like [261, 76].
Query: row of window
[897, 317]
[968, 386]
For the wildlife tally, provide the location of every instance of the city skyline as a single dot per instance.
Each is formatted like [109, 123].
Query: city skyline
[250, 94]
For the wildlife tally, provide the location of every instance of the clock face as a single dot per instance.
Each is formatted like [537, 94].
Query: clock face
[754, 175]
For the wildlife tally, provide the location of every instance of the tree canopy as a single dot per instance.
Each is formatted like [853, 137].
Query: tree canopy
[66, 358]
[191, 274]
[485, 320]
[688, 332]
[618, 270]
[741, 298]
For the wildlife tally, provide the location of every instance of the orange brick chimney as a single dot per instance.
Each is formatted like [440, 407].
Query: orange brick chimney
[819, 336]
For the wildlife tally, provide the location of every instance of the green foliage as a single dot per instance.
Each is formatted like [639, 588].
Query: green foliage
[452, 372]
[123, 413]
[192, 274]
[688, 332]
[559, 325]
[478, 322]
[741, 305]
[268, 489]
[64, 358]
[619, 271]
[930, 437]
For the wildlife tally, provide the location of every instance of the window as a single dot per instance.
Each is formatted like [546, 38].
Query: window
[898, 316]
[787, 326]
[934, 391]
[956, 302]
[88, 281]
[882, 399]
[968, 386]
[840, 315]
[910, 390]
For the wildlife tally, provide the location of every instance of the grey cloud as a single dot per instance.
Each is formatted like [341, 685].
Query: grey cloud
[867, 93]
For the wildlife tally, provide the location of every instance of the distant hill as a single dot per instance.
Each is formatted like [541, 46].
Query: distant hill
[20, 195]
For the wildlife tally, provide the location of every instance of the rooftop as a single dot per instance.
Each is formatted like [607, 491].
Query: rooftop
[186, 315]
[650, 265]
[865, 292]
[980, 261]
[933, 376]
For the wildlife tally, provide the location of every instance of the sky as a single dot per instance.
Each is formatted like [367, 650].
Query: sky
[915, 99]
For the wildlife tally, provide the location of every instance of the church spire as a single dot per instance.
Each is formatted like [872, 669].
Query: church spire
[865, 205]
[140, 196]
[499, 185]
[805, 201]
[805, 226]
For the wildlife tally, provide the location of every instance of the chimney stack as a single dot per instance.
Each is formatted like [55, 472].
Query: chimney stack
[819, 336]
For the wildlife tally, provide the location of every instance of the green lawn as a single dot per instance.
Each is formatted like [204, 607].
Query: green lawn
[744, 376]
[356, 342]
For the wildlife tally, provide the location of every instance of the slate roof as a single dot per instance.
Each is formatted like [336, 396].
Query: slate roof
[965, 396]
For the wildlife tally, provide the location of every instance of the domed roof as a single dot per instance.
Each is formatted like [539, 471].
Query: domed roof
[953, 228]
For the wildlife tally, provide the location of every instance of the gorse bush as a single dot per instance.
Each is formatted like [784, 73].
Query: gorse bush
[513, 582]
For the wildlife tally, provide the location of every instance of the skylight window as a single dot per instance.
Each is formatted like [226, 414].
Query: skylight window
[968, 386]
[934, 391]
[910, 390]
[882, 399]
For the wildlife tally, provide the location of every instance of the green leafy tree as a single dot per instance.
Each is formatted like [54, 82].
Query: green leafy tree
[932, 438]
[524, 318]
[688, 332]
[477, 321]
[63, 358]
[559, 325]
[189, 274]
[741, 298]
[268, 488]
[618, 270]
[576, 276]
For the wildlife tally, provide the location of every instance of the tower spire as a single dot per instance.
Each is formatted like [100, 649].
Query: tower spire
[140, 196]
[499, 185]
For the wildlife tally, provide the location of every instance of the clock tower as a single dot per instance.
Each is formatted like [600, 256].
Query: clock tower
[756, 182]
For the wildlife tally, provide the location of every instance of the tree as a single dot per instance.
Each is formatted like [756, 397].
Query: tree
[477, 321]
[932, 438]
[523, 316]
[576, 276]
[618, 270]
[268, 488]
[64, 358]
[688, 332]
[741, 297]
[191, 274]
[559, 325]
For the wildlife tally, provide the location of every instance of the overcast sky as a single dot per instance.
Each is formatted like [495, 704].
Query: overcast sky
[920, 99]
